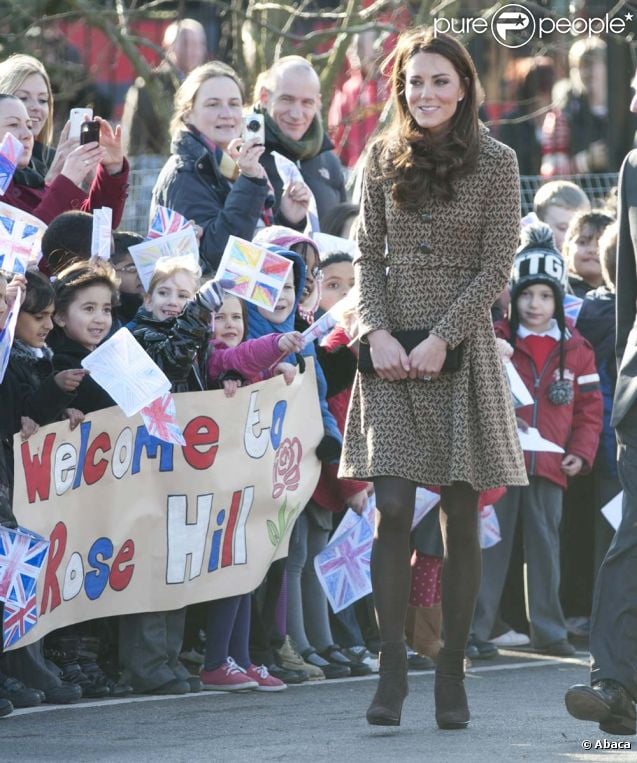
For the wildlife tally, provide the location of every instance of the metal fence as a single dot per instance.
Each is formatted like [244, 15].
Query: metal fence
[145, 169]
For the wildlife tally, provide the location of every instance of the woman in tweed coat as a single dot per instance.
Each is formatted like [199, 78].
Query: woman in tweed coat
[438, 229]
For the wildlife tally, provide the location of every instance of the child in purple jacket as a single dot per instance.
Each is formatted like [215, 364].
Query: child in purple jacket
[227, 663]
[235, 362]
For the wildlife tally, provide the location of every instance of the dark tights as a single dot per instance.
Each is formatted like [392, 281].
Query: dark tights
[390, 564]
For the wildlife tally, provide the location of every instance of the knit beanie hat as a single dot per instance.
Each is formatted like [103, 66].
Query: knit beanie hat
[538, 261]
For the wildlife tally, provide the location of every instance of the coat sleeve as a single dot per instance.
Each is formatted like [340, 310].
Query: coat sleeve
[329, 422]
[626, 270]
[500, 232]
[44, 404]
[370, 265]
[61, 196]
[236, 214]
[108, 191]
[250, 358]
[588, 410]
[176, 350]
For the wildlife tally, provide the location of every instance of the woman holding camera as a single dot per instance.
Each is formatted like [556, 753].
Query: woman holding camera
[213, 177]
[105, 159]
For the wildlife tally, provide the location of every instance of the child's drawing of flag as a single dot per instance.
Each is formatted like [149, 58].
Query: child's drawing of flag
[343, 565]
[160, 418]
[10, 152]
[572, 306]
[166, 221]
[259, 275]
[22, 556]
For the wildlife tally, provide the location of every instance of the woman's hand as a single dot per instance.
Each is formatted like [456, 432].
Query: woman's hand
[427, 358]
[81, 162]
[388, 356]
[64, 148]
[295, 202]
[247, 154]
[111, 145]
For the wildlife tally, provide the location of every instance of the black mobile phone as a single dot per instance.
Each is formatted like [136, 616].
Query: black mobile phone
[89, 132]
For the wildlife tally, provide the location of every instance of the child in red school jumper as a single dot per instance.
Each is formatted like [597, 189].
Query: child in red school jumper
[558, 367]
[233, 363]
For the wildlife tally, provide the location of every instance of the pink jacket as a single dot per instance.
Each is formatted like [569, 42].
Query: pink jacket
[64, 196]
[252, 358]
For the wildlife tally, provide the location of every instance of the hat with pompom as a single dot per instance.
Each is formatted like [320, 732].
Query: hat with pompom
[538, 261]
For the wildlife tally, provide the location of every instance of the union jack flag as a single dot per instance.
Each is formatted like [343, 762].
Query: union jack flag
[10, 151]
[160, 418]
[343, 565]
[572, 306]
[22, 556]
[166, 221]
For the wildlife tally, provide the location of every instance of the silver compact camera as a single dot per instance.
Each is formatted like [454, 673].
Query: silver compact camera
[254, 127]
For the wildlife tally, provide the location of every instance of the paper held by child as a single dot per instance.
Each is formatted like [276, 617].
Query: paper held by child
[22, 556]
[572, 306]
[532, 440]
[613, 510]
[10, 152]
[102, 233]
[7, 335]
[520, 394]
[166, 221]
[328, 243]
[259, 275]
[20, 239]
[160, 418]
[343, 566]
[122, 367]
[290, 173]
[180, 244]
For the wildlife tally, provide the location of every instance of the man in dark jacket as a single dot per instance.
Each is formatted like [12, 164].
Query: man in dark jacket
[289, 94]
[610, 700]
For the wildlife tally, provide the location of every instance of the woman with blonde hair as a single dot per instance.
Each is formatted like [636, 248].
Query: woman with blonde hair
[437, 233]
[26, 78]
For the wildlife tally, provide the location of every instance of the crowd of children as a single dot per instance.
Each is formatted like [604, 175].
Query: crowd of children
[204, 338]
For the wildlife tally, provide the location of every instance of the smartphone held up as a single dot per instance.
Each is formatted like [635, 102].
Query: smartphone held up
[89, 132]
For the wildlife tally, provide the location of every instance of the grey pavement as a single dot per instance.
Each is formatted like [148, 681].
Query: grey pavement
[516, 703]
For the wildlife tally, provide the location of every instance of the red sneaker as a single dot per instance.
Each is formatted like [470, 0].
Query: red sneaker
[227, 677]
[265, 682]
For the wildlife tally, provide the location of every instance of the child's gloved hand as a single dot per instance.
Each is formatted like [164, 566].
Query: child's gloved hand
[329, 450]
[211, 293]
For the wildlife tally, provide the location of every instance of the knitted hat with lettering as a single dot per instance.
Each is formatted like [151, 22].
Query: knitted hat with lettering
[538, 261]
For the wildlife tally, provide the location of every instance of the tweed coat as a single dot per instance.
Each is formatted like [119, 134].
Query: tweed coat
[441, 268]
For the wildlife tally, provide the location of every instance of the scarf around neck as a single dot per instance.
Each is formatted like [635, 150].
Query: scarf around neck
[227, 165]
[306, 148]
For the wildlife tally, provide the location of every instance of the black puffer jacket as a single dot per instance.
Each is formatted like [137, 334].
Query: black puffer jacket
[67, 353]
[191, 183]
[178, 346]
[323, 173]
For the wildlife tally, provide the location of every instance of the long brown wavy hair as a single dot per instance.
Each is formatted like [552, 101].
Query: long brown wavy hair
[419, 164]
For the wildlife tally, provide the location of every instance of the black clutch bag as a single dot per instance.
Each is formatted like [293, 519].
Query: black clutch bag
[409, 340]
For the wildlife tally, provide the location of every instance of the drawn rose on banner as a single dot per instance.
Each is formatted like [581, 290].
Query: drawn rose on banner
[286, 472]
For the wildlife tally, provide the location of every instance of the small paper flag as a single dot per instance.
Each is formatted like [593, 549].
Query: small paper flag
[160, 418]
[10, 152]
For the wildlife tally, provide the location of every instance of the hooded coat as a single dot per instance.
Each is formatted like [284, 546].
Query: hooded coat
[259, 325]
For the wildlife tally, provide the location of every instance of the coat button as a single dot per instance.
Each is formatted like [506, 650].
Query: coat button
[427, 217]
[425, 248]
[200, 166]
